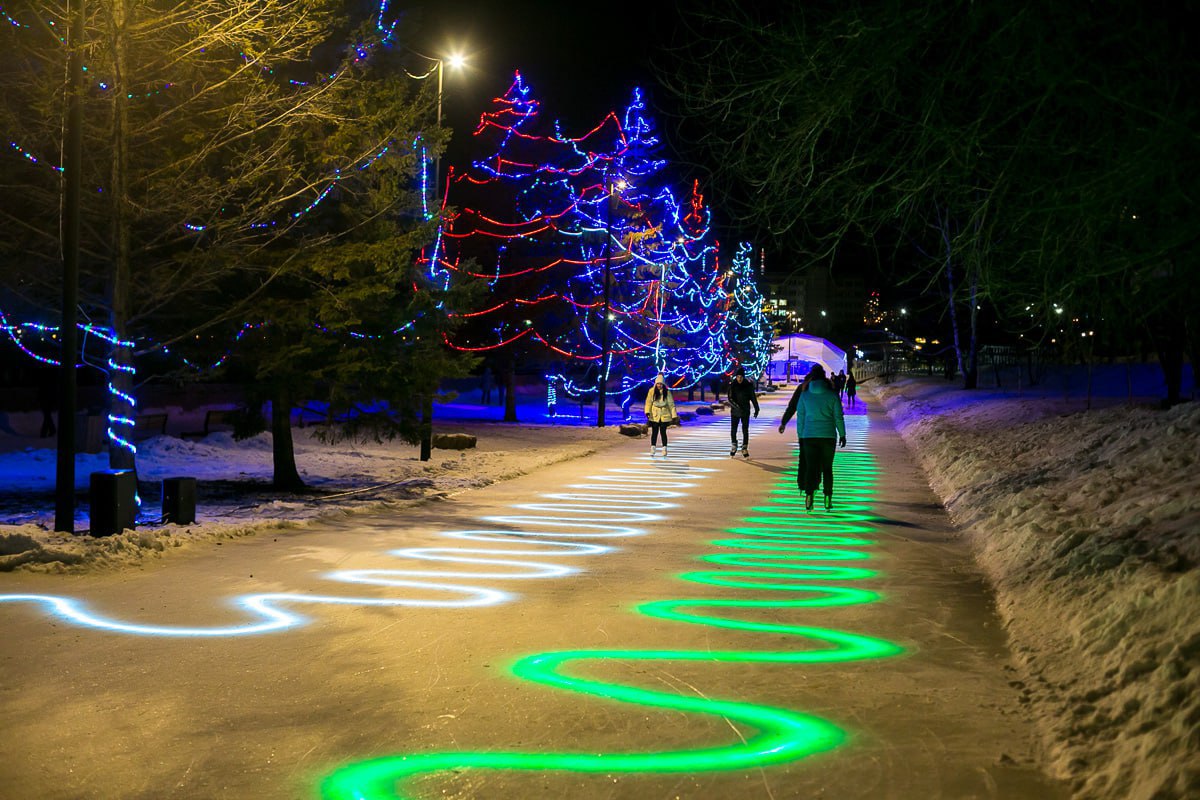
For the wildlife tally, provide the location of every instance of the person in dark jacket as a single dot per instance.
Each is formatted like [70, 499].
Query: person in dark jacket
[742, 398]
[820, 424]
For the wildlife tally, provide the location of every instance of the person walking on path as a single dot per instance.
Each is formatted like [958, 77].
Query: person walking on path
[742, 397]
[820, 425]
[851, 389]
[839, 383]
[660, 413]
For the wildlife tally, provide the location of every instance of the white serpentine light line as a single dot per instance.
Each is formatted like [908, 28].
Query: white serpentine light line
[589, 514]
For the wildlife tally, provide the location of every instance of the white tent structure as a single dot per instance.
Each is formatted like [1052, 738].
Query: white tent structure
[796, 353]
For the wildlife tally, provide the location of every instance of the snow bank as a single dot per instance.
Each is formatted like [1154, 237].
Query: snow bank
[1087, 523]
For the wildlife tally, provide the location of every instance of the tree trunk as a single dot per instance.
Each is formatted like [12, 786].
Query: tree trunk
[426, 427]
[510, 393]
[1170, 358]
[1168, 335]
[64, 475]
[122, 405]
[1192, 337]
[971, 377]
[283, 451]
[1090, 382]
[953, 306]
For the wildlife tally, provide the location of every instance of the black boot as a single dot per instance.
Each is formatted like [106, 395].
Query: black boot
[808, 501]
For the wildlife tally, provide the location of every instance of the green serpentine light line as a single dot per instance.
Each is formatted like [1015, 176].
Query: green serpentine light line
[780, 540]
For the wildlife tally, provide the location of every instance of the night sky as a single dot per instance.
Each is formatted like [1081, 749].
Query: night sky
[581, 60]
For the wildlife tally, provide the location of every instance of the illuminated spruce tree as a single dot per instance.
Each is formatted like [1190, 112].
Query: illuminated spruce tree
[694, 318]
[747, 328]
[575, 227]
[672, 265]
[511, 216]
[540, 216]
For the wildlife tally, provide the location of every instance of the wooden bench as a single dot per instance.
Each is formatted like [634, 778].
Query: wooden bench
[147, 425]
[224, 417]
[214, 418]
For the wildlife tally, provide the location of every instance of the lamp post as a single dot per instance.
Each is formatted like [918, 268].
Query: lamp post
[457, 61]
[439, 65]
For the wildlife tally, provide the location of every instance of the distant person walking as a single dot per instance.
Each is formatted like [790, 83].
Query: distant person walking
[820, 425]
[660, 414]
[839, 383]
[742, 397]
[851, 389]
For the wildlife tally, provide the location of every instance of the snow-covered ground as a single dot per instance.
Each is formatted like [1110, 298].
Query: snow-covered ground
[1087, 523]
[234, 496]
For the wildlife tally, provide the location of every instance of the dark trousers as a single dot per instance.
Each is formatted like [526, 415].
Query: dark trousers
[734, 421]
[655, 428]
[816, 464]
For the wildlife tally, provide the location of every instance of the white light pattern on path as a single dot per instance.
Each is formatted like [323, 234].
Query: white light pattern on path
[607, 506]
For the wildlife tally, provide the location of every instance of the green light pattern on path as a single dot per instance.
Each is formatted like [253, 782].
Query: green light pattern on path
[795, 551]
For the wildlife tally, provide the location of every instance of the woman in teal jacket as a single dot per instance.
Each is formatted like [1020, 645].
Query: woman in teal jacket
[820, 425]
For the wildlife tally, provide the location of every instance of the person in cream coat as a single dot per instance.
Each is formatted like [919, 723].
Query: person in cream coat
[660, 413]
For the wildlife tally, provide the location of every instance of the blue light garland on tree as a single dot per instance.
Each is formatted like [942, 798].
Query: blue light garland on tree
[749, 331]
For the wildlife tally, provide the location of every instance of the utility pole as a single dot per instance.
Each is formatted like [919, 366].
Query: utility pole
[64, 478]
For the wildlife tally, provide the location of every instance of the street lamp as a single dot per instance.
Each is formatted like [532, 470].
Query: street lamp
[457, 61]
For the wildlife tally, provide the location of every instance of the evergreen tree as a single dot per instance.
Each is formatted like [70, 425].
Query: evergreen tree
[673, 266]
[749, 333]
[586, 252]
[220, 139]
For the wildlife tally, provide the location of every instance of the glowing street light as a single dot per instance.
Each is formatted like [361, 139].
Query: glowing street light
[457, 61]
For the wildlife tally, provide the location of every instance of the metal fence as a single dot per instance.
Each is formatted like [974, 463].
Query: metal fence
[1043, 371]
[998, 365]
